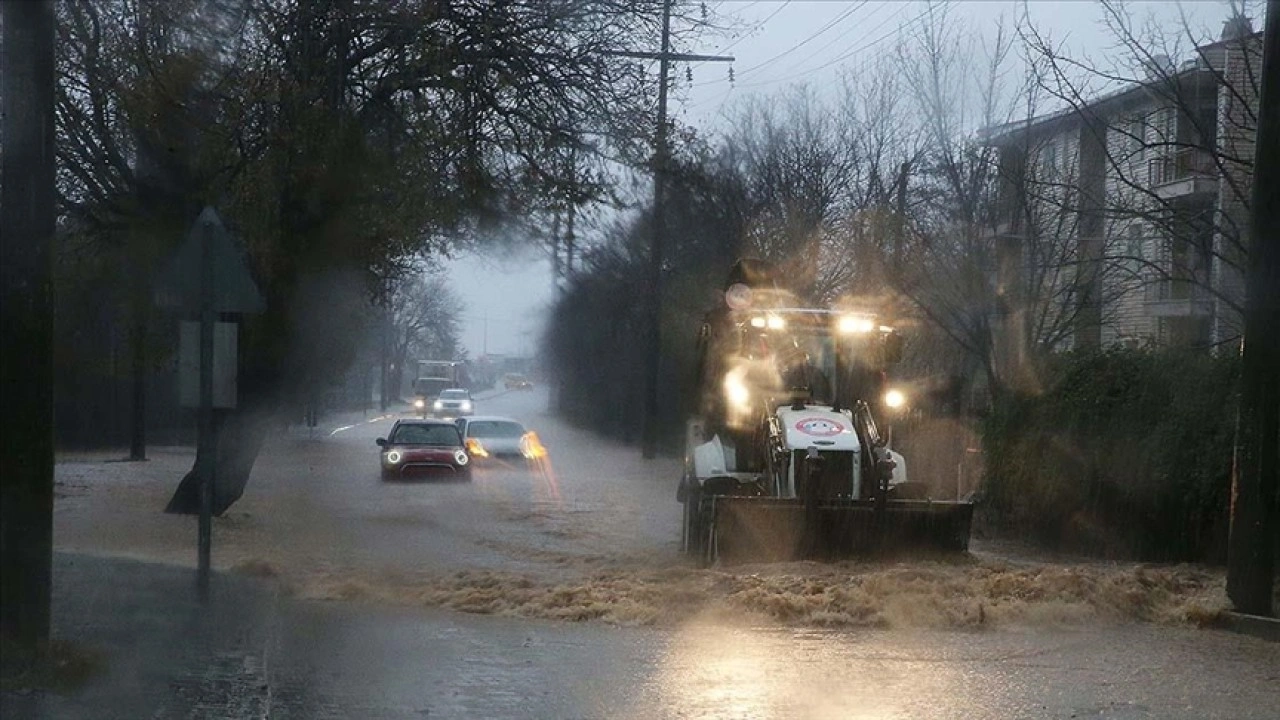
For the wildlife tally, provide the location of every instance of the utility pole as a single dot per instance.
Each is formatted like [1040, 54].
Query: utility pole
[653, 349]
[26, 328]
[1254, 523]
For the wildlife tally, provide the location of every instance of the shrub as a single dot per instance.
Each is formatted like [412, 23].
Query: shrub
[1126, 454]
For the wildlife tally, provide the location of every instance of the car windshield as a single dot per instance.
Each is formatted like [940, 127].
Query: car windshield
[430, 386]
[495, 429]
[453, 395]
[420, 434]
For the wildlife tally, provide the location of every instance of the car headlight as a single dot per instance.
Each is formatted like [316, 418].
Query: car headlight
[419, 404]
[461, 457]
[438, 405]
[466, 405]
[393, 456]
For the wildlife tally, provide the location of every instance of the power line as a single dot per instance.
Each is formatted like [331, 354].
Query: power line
[833, 41]
[830, 24]
[746, 35]
[720, 100]
[845, 56]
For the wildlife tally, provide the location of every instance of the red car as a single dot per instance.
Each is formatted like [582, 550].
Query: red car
[424, 448]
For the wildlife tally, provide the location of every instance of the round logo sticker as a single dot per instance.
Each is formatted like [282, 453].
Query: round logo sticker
[819, 427]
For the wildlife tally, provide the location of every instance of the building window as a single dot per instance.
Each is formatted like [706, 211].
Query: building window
[1049, 157]
[1136, 132]
[1135, 242]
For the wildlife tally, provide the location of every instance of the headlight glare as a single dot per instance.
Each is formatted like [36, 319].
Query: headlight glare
[461, 457]
[393, 456]
[736, 391]
[854, 324]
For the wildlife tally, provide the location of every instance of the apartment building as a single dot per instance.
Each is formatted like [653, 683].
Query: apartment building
[1126, 216]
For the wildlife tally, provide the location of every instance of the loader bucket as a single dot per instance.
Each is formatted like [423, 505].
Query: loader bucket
[762, 529]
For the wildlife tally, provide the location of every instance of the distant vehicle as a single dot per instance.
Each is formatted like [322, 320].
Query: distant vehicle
[425, 392]
[453, 403]
[424, 448]
[516, 381]
[496, 437]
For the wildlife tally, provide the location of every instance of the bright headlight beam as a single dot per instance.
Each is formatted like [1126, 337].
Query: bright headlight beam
[736, 391]
[853, 324]
[759, 322]
[776, 323]
[895, 399]
[393, 457]
[461, 457]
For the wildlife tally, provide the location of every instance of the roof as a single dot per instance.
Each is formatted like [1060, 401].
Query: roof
[1107, 102]
[424, 421]
[491, 418]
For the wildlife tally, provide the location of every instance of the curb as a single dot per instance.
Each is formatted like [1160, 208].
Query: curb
[1263, 628]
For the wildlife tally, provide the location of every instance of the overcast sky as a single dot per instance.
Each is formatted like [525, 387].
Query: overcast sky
[784, 43]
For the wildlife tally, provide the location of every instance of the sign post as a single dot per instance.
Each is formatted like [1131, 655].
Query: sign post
[208, 276]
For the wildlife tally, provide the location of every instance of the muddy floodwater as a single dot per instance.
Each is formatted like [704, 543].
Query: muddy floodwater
[561, 593]
[593, 535]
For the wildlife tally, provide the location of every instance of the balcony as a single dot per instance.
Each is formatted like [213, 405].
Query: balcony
[1178, 298]
[1186, 172]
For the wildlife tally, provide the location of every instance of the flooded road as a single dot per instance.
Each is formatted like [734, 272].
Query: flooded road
[595, 538]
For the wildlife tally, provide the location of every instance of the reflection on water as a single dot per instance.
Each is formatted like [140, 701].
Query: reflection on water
[716, 670]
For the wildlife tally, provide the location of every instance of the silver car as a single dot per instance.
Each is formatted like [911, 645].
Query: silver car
[453, 403]
[494, 437]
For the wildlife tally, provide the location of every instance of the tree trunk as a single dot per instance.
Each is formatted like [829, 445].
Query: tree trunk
[27, 217]
[240, 438]
[141, 302]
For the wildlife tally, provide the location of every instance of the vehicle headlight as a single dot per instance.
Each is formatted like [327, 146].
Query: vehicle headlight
[854, 324]
[419, 404]
[438, 405]
[531, 447]
[895, 399]
[466, 405]
[475, 448]
[393, 456]
[461, 457]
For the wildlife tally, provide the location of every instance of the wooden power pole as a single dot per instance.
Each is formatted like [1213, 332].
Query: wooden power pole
[661, 151]
[26, 327]
[1254, 522]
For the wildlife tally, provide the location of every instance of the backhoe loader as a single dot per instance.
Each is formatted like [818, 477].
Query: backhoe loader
[784, 459]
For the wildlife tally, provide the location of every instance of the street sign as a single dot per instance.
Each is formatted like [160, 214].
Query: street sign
[208, 275]
[234, 290]
[224, 365]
